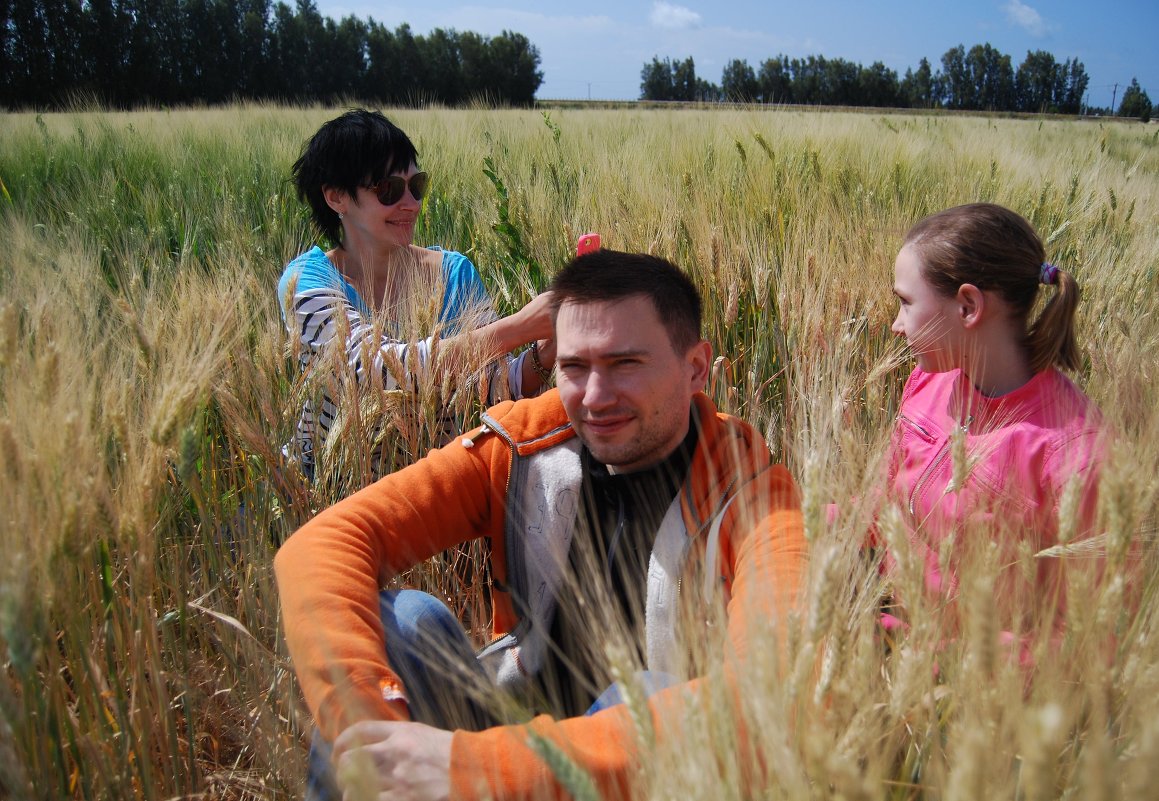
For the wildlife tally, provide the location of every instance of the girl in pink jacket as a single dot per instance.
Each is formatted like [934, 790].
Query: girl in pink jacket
[993, 444]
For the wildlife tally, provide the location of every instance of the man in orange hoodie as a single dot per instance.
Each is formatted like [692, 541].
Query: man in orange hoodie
[619, 509]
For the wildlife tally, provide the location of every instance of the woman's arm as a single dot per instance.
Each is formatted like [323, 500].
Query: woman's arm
[318, 309]
[466, 300]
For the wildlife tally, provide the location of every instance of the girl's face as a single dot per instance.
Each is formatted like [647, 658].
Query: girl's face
[928, 320]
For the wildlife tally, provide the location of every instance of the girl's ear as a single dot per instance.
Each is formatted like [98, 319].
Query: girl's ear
[971, 303]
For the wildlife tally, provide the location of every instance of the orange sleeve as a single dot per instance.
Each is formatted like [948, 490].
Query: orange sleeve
[767, 561]
[330, 571]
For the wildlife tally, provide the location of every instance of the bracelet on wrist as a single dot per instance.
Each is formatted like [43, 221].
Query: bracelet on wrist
[537, 365]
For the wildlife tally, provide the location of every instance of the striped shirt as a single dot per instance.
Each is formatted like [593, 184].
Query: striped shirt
[317, 303]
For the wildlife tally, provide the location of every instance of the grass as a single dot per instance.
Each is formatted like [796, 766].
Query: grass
[146, 390]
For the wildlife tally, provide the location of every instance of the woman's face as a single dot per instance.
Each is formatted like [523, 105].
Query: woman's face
[928, 320]
[368, 220]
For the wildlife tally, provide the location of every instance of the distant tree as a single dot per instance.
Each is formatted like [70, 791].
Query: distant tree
[809, 80]
[129, 52]
[917, 89]
[776, 80]
[7, 65]
[821, 81]
[841, 83]
[1135, 102]
[668, 80]
[993, 78]
[656, 80]
[317, 85]
[254, 56]
[233, 59]
[44, 57]
[478, 68]
[1044, 85]
[5, 36]
[878, 86]
[105, 34]
[292, 54]
[445, 62]
[66, 29]
[1076, 82]
[979, 78]
[173, 44]
[955, 84]
[1040, 83]
[708, 92]
[396, 70]
[517, 62]
[407, 67]
[739, 82]
[344, 42]
[684, 86]
[220, 57]
[378, 84]
[31, 54]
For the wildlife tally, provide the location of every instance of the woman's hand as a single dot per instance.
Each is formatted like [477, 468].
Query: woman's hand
[531, 323]
[535, 318]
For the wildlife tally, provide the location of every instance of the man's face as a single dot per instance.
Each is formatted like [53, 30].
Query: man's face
[625, 388]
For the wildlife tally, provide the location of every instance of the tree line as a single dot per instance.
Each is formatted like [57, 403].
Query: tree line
[127, 53]
[981, 79]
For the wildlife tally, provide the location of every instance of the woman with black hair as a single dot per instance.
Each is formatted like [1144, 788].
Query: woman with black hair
[360, 175]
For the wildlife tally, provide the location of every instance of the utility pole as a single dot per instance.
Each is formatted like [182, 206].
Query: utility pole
[1114, 92]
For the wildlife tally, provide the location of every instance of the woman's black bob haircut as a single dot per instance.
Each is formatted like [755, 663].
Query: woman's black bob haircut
[355, 149]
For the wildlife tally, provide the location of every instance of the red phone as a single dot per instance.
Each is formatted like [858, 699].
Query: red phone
[587, 243]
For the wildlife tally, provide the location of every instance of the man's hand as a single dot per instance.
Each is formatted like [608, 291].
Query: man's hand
[396, 760]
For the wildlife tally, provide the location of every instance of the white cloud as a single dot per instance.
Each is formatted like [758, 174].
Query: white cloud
[666, 15]
[1025, 17]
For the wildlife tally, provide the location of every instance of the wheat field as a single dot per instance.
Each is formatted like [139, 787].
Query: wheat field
[147, 388]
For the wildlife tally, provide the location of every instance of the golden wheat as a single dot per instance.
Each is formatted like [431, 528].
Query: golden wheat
[146, 390]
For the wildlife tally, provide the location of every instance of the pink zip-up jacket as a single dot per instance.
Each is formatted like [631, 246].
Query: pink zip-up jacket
[1021, 451]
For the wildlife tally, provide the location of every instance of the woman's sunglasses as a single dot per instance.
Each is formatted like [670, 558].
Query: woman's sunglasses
[389, 190]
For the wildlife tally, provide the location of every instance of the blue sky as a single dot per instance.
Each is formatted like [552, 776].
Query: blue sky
[598, 48]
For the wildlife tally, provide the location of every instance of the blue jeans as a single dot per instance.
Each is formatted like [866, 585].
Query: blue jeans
[430, 653]
[652, 681]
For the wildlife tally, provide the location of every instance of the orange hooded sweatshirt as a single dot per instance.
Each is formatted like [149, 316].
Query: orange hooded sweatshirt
[740, 513]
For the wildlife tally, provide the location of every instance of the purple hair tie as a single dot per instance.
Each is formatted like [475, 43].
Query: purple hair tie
[1048, 274]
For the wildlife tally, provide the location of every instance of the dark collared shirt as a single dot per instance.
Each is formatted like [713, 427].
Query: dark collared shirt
[605, 591]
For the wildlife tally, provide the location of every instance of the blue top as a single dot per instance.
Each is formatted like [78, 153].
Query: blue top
[322, 297]
[463, 289]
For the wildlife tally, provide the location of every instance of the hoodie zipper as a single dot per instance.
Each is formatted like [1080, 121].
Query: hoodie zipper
[489, 425]
[943, 452]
